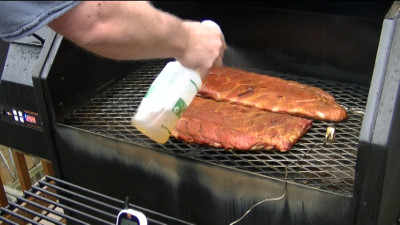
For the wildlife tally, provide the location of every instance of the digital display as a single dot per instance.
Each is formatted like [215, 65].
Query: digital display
[30, 119]
[22, 117]
[132, 221]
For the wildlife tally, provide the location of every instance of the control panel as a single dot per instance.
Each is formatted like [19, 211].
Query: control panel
[21, 117]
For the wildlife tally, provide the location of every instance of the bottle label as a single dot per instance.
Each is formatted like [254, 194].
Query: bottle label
[179, 107]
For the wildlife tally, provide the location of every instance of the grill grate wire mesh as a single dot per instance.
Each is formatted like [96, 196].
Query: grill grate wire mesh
[329, 167]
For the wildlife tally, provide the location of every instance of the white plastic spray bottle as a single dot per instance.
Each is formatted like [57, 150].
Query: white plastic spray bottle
[167, 98]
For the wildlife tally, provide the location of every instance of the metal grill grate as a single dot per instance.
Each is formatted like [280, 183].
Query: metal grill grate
[330, 167]
[55, 201]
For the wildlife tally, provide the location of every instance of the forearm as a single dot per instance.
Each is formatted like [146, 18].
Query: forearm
[123, 30]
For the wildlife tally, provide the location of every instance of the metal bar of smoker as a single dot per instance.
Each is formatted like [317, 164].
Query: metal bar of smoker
[35, 213]
[60, 189]
[116, 201]
[113, 216]
[19, 216]
[75, 203]
[70, 208]
[51, 178]
[7, 221]
[50, 210]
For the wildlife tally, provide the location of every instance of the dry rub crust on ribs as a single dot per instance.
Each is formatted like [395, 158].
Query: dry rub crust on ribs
[222, 124]
[271, 94]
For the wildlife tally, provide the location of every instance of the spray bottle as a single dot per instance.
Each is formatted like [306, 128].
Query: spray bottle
[167, 98]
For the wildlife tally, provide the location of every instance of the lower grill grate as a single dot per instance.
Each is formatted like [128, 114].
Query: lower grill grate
[328, 167]
[54, 201]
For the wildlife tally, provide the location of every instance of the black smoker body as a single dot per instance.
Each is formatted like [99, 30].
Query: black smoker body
[351, 50]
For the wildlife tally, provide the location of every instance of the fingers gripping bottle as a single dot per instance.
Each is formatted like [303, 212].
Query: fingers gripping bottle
[167, 98]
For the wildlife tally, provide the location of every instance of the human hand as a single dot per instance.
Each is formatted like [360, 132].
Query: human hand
[205, 47]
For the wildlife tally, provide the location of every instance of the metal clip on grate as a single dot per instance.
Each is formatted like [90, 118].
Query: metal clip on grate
[54, 201]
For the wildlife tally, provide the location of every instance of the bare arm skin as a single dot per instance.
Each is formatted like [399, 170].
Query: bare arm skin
[131, 30]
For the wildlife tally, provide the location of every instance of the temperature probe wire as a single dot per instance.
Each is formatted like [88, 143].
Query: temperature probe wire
[284, 189]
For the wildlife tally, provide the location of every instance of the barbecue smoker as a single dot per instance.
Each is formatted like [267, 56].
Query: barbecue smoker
[84, 105]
